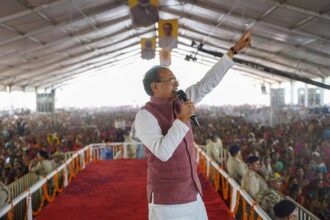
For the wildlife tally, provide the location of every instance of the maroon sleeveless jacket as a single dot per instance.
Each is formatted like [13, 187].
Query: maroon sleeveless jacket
[174, 181]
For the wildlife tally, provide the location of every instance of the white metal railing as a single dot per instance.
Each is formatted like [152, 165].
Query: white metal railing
[235, 187]
[18, 187]
[304, 214]
[119, 151]
[27, 194]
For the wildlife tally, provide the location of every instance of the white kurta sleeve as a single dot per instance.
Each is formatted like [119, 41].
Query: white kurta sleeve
[212, 78]
[149, 132]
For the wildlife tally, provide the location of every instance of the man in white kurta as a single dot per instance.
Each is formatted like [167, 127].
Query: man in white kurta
[214, 149]
[163, 146]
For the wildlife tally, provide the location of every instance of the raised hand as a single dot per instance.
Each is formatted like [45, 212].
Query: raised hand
[244, 41]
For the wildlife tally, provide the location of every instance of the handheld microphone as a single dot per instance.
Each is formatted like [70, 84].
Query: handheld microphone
[182, 96]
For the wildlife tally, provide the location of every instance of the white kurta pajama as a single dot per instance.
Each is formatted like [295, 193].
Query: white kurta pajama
[163, 146]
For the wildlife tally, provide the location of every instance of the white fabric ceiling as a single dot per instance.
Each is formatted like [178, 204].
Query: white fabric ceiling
[44, 43]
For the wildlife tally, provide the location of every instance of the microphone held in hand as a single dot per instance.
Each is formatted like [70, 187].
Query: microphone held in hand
[183, 97]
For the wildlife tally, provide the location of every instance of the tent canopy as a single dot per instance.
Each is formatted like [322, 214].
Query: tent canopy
[44, 43]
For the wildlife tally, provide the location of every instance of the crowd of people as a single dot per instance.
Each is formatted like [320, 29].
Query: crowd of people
[292, 156]
[31, 142]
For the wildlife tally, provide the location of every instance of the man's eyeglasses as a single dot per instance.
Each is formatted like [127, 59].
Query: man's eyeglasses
[172, 81]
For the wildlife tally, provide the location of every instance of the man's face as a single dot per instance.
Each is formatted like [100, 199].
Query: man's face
[17, 165]
[57, 159]
[167, 29]
[255, 166]
[39, 156]
[167, 86]
[276, 184]
[294, 215]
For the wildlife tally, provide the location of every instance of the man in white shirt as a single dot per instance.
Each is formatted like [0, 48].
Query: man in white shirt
[163, 126]
[41, 165]
[214, 148]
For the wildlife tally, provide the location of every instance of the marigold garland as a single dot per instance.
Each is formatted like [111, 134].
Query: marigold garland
[35, 213]
[225, 187]
[10, 214]
[49, 198]
[78, 167]
[252, 211]
[71, 173]
[216, 181]
[202, 164]
[56, 186]
[244, 210]
[46, 196]
[86, 156]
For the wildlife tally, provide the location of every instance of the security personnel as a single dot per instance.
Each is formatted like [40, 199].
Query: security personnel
[286, 210]
[252, 183]
[270, 197]
[235, 165]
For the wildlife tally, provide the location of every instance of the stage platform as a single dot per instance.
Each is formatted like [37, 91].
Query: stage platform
[116, 190]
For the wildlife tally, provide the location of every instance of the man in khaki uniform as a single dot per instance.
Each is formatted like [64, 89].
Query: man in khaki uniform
[252, 183]
[235, 165]
[270, 197]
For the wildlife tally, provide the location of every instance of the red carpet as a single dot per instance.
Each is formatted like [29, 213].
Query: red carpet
[116, 190]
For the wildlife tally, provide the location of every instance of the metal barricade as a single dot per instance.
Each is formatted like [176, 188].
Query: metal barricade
[239, 201]
[27, 192]
[303, 213]
[18, 187]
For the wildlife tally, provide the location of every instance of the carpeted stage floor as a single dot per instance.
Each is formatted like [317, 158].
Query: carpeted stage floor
[116, 190]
